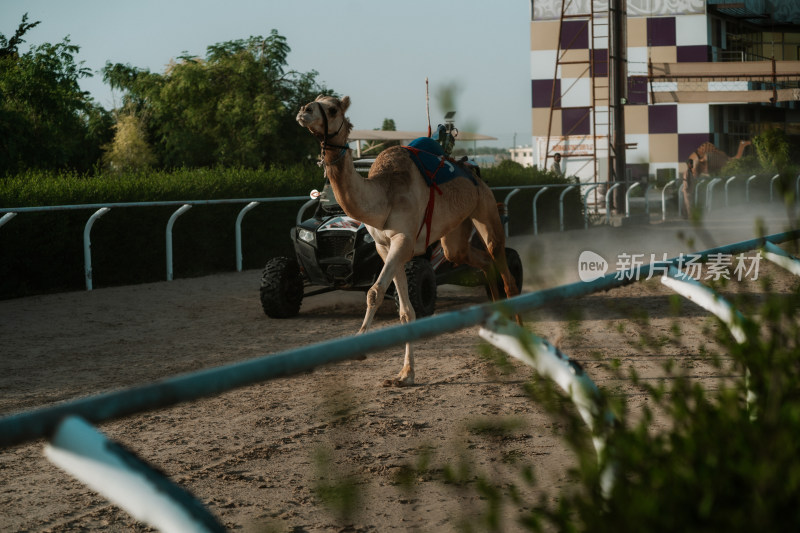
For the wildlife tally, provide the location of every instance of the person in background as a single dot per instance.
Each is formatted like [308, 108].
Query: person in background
[688, 185]
[556, 168]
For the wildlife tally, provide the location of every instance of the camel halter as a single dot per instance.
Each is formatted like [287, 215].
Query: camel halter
[327, 136]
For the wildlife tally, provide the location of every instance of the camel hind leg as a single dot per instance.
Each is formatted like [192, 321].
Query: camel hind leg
[496, 250]
[487, 222]
[457, 249]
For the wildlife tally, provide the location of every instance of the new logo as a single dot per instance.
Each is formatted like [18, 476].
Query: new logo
[591, 266]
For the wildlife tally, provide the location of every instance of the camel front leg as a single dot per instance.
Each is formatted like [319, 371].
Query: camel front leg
[407, 314]
[394, 256]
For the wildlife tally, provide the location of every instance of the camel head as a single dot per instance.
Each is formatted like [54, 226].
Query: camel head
[324, 117]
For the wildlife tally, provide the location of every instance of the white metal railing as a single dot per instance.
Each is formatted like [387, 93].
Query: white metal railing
[102, 209]
[8, 213]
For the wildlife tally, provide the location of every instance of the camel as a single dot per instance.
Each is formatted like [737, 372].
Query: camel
[708, 159]
[392, 202]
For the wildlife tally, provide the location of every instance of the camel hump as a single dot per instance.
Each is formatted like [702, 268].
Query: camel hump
[717, 159]
[706, 148]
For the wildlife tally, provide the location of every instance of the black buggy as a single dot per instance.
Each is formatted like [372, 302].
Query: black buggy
[335, 252]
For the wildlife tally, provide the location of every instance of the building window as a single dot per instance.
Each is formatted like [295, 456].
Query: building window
[600, 62]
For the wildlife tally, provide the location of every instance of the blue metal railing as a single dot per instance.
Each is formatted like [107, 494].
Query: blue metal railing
[41, 422]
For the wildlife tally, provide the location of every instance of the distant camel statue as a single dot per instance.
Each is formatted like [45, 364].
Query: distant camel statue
[708, 159]
[393, 203]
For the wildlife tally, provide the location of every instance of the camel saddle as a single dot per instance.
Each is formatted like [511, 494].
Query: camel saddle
[434, 165]
[436, 168]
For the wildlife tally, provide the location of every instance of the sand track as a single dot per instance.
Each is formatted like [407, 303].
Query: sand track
[252, 455]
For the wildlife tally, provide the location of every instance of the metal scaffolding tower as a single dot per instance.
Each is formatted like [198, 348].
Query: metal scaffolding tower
[605, 67]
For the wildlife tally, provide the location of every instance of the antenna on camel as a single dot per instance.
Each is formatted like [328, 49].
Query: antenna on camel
[428, 105]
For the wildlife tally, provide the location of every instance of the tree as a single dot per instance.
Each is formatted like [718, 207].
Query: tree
[234, 107]
[129, 150]
[46, 121]
[772, 149]
[772, 155]
[9, 48]
[388, 125]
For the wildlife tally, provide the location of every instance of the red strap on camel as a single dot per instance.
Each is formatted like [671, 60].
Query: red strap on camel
[426, 221]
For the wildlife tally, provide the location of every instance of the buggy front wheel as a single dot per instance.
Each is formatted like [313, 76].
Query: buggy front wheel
[281, 288]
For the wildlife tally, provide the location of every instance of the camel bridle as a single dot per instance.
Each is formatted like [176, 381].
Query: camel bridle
[328, 136]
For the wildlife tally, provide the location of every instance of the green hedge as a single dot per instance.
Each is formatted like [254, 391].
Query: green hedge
[37, 188]
[43, 252]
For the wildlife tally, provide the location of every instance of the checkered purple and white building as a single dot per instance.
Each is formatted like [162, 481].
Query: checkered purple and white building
[660, 133]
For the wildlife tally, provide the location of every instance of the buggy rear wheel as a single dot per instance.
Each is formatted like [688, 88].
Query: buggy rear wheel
[421, 287]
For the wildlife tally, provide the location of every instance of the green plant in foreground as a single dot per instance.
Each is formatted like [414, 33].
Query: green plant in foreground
[715, 467]
[692, 459]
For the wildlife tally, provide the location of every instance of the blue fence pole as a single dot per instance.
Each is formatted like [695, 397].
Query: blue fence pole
[178, 212]
[586, 204]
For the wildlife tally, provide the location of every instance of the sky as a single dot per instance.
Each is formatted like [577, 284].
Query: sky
[376, 51]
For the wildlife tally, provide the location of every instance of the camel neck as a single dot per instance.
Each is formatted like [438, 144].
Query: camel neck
[335, 155]
[336, 152]
[338, 164]
[740, 151]
[357, 195]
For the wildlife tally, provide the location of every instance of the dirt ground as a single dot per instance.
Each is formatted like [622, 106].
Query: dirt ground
[260, 457]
